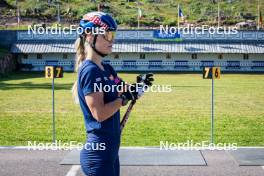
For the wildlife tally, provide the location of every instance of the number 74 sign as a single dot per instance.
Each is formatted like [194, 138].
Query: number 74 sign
[211, 73]
[53, 72]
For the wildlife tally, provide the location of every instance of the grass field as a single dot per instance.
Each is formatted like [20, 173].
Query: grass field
[178, 116]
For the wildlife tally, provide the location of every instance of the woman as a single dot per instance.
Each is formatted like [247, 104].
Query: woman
[99, 157]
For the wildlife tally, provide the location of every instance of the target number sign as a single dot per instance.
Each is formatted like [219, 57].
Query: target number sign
[211, 73]
[53, 72]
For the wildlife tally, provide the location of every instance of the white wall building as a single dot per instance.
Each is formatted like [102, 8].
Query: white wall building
[141, 51]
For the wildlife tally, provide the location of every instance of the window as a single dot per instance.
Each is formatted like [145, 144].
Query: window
[106, 61]
[65, 56]
[142, 56]
[233, 65]
[39, 56]
[129, 64]
[257, 64]
[245, 56]
[194, 56]
[25, 56]
[208, 63]
[181, 64]
[168, 56]
[155, 64]
[116, 56]
[220, 56]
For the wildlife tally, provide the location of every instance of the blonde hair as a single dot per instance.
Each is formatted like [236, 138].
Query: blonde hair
[80, 57]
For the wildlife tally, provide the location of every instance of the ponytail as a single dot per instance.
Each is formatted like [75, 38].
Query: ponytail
[80, 57]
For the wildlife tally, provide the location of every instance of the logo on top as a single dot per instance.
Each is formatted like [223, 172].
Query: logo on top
[96, 20]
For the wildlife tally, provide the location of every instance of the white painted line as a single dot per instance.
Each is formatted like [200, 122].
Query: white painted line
[38, 148]
[262, 167]
[257, 147]
[73, 171]
[134, 148]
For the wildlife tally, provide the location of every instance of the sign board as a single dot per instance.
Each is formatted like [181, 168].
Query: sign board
[166, 36]
[53, 72]
[211, 73]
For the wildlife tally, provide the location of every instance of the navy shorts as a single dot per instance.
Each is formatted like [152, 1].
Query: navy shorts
[100, 158]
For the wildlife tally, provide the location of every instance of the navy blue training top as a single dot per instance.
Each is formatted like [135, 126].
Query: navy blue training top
[90, 75]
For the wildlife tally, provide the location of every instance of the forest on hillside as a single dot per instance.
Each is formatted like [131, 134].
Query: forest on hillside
[126, 12]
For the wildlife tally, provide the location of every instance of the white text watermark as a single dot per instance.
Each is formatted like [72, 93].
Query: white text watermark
[100, 87]
[197, 30]
[190, 145]
[59, 145]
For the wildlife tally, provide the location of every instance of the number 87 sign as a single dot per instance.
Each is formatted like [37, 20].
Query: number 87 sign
[53, 72]
[211, 73]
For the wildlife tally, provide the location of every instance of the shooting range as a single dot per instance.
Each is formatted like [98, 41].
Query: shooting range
[202, 115]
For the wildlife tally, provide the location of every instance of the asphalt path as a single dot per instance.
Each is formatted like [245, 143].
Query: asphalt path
[21, 162]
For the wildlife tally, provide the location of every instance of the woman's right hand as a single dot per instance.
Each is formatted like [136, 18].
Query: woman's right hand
[133, 92]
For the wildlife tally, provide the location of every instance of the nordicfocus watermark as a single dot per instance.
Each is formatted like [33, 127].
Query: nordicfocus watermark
[59, 145]
[100, 87]
[163, 29]
[58, 29]
[190, 145]
[197, 30]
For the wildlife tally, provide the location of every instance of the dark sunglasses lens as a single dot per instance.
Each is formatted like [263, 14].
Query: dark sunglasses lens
[109, 36]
